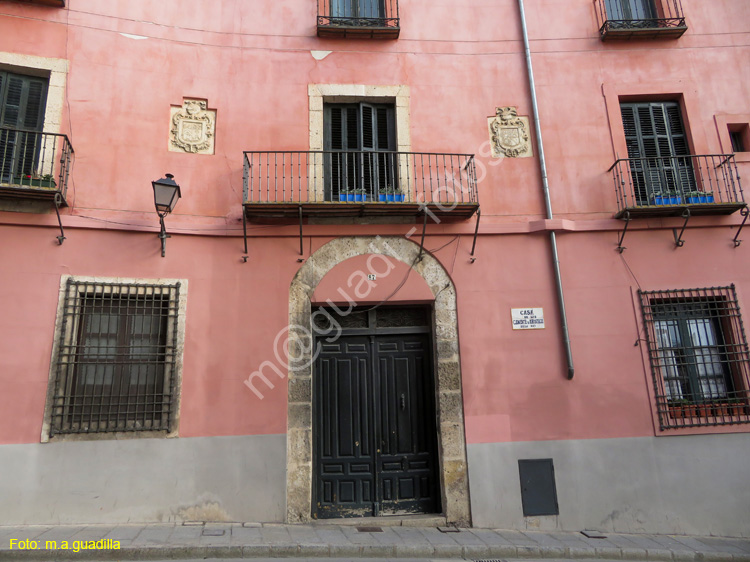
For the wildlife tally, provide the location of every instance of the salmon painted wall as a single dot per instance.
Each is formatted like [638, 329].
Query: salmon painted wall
[252, 61]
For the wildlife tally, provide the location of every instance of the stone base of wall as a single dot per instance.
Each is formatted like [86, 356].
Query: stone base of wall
[694, 485]
[144, 481]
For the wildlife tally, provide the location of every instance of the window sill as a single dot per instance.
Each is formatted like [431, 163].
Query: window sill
[110, 436]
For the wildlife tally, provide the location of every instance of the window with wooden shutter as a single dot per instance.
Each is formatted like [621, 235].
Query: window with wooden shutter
[630, 9]
[658, 150]
[364, 9]
[22, 103]
[359, 140]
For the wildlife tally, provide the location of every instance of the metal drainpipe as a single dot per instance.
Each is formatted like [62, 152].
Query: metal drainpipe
[547, 203]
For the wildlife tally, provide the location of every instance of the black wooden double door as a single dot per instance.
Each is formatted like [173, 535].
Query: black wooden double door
[374, 427]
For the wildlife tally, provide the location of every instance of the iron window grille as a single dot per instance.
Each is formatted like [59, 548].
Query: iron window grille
[699, 356]
[115, 367]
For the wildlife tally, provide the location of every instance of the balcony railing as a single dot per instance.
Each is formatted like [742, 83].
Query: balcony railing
[376, 19]
[359, 183]
[640, 19]
[666, 186]
[34, 165]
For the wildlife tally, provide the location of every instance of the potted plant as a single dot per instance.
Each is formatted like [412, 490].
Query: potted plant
[676, 410]
[659, 198]
[704, 409]
[35, 180]
[722, 409]
[736, 407]
[360, 194]
[675, 197]
[700, 197]
[390, 194]
[346, 195]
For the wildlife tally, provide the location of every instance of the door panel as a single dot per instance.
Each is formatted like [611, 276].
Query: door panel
[407, 460]
[374, 438]
[344, 445]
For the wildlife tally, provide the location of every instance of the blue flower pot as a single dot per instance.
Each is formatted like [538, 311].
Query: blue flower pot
[360, 197]
[661, 200]
[392, 197]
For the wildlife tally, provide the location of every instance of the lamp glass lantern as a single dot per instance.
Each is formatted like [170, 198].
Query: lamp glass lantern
[166, 194]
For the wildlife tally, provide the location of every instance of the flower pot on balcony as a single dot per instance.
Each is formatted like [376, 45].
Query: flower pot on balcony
[391, 197]
[346, 196]
[698, 197]
[46, 182]
[666, 200]
[360, 197]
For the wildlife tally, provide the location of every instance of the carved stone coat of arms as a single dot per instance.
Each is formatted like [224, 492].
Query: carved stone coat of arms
[509, 134]
[193, 126]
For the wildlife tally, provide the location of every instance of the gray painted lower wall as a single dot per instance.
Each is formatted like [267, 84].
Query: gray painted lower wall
[676, 485]
[144, 480]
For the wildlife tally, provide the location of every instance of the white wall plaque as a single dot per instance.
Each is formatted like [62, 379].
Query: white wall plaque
[193, 126]
[527, 318]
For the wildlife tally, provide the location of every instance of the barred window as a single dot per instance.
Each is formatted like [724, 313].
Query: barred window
[115, 368]
[699, 356]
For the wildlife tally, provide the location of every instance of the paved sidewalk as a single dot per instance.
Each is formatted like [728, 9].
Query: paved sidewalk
[235, 540]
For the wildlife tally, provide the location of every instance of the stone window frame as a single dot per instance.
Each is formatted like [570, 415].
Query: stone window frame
[320, 94]
[55, 70]
[177, 368]
[447, 373]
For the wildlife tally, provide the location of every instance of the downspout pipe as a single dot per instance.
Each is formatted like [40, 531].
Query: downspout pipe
[545, 187]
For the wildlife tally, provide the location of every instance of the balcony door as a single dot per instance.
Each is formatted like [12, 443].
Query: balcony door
[658, 150]
[630, 9]
[359, 143]
[22, 102]
[358, 9]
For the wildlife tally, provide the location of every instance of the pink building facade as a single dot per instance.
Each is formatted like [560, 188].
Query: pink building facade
[366, 305]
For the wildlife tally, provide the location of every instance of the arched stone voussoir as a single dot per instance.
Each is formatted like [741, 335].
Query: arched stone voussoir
[454, 473]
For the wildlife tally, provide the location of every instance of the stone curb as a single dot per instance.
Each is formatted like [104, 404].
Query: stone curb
[469, 552]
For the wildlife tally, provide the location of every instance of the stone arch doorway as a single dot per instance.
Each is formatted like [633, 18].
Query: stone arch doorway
[447, 372]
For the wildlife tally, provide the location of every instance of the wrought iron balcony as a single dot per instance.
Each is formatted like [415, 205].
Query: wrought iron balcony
[34, 165]
[359, 183]
[375, 19]
[667, 186]
[640, 19]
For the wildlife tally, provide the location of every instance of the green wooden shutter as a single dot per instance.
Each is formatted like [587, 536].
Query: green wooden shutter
[357, 137]
[656, 140]
[22, 102]
[368, 157]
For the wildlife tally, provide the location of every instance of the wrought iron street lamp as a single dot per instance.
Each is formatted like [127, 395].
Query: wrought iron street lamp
[166, 194]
